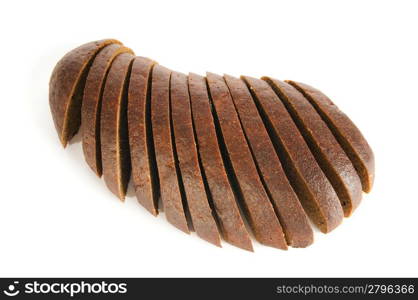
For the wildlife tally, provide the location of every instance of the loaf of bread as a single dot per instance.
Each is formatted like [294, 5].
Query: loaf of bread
[220, 152]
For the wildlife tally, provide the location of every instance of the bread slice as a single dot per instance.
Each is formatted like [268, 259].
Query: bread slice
[91, 104]
[66, 87]
[164, 149]
[197, 200]
[328, 153]
[344, 130]
[292, 217]
[256, 203]
[213, 169]
[311, 185]
[144, 173]
[114, 127]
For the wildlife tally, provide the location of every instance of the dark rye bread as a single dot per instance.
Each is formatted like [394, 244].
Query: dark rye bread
[164, 149]
[144, 176]
[255, 200]
[311, 185]
[66, 87]
[293, 219]
[328, 153]
[197, 200]
[213, 170]
[344, 130]
[114, 128]
[91, 104]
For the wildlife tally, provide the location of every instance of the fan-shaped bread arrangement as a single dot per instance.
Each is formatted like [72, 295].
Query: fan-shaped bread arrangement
[223, 156]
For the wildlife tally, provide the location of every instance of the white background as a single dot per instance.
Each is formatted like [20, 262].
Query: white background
[58, 219]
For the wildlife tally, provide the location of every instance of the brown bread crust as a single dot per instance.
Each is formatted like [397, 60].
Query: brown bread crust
[114, 127]
[221, 193]
[66, 87]
[328, 153]
[344, 130]
[144, 177]
[164, 151]
[287, 206]
[197, 201]
[91, 104]
[256, 203]
[312, 186]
